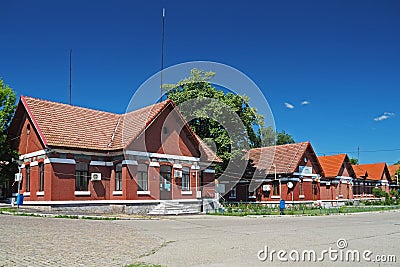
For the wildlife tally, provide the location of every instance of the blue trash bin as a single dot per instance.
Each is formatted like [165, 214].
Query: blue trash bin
[282, 206]
[20, 199]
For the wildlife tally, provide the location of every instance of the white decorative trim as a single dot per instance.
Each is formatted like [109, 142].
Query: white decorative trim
[154, 164]
[177, 166]
[46, 161]
[158, 155]
[186, 192]
[33, 154]
[115, 201]
[305, 175]
[40, 193]
[129, 162]
[275, 196]
[63, 161]
[22, 166]
[141, 193]
[89, 153]
[209, 171]
[82, 193]
[195, 167]
[117, 193]
[307, 180]
[301, 196]
[27, 194]
[101, 163]
[34, 163]
[344, 177]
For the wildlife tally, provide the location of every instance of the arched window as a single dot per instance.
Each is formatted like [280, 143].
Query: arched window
[118, 177]
[82, 176]
[185, 179]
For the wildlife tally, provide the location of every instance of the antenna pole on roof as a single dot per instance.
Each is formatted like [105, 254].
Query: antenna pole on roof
[162, 53]
[358, 154]
[70, 76]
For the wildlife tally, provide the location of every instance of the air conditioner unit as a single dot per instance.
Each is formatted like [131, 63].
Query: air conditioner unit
[96, 176]
[178, 174]
[18, 177]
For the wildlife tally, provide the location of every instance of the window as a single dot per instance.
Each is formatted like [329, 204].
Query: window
[233, 193]
[118, 177]
[28, 178]
[314, 188]
[41, 177]
[275, 185]
[142, 177]
[185, 179]
[82, 176]
[301, 193]
[340, 187]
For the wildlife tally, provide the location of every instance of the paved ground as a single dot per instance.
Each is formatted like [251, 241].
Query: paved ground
[192, 240]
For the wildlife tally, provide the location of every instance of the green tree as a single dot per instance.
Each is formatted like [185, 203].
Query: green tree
[284, 138]
[397, 163]
[353, 161]
[7, 109]
[203, 111]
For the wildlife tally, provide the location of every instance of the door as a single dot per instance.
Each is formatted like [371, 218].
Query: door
[165, 182]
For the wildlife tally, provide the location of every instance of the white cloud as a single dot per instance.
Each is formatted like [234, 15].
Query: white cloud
[288, 105]
[305, 102]
[385, 116]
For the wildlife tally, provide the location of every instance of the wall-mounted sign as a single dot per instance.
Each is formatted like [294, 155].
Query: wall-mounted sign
[305, 170]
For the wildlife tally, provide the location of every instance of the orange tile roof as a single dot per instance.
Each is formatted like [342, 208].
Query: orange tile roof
[393, 169]
[374, 171]
[286, 158]
[360, 172]
[62, 125]
[332, 164]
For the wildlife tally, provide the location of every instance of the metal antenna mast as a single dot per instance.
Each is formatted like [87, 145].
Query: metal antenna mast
[162, 53]
[70, 76]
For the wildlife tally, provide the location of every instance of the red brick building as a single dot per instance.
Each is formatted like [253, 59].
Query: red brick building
[291, 172]
[78, 155]
[338, 179]
[370, 176]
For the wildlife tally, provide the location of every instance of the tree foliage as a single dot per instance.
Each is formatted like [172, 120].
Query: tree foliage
[353, 161]
[7, 109]
[284, 138]
[203, 111]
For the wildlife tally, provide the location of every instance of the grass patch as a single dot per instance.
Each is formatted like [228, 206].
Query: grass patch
[246, 209]
[8, 210]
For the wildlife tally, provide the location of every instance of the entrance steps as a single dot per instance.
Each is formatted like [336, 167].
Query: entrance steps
[171, 207]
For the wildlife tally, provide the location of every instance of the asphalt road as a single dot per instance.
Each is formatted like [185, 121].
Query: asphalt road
[200, 240]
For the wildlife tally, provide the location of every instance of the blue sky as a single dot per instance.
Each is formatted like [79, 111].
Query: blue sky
[343, 57]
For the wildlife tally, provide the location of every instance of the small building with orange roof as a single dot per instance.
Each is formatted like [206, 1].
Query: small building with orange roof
[393, 171]
[290, 172]
[371, 176]
[339, 174]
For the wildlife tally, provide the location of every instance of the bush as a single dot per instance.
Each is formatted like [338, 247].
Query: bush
[378, 192]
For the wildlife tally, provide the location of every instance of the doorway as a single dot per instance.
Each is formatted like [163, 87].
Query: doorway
[165, 182]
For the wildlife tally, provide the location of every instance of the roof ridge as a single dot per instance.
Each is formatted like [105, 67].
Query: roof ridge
[71, 106]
